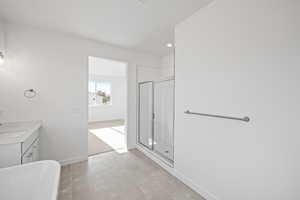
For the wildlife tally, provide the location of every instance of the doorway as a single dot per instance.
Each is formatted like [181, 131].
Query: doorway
[107, 106]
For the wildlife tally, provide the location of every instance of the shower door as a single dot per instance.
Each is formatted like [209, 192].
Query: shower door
[145, 135]
[164, 118]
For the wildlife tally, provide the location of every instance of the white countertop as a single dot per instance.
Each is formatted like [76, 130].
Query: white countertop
[17, 132]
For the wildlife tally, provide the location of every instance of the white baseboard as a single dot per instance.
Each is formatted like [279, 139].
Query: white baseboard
[156, 159]
[187, 181]
[178, 175]
[106, 120]
[204, 193]
[73, 160]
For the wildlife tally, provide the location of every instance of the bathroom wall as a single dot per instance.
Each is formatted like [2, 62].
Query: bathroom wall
[165, 70]
[239, 58]
[168, 65]
[56, 66]
[117, 108]
[148, 73]
[2, 34]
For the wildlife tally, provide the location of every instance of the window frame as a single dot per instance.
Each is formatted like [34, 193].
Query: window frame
[95, 86]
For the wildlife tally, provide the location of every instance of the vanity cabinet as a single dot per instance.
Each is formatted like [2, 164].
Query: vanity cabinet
[32, 153]
[20, 153]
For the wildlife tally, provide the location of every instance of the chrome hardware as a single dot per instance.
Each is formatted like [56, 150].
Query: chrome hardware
[245, 119]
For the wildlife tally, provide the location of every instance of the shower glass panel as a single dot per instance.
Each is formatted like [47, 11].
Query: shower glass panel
[145, 136]
[164, 118]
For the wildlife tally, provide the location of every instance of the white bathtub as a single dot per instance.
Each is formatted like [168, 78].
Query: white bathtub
[33, 181]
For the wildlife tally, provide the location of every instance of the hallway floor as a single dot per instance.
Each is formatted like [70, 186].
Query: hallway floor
[127, 176]
[105, 136]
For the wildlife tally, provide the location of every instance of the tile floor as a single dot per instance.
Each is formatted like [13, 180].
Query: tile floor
[127, 176]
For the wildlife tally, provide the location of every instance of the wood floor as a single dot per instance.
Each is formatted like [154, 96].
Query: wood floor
[126, 176]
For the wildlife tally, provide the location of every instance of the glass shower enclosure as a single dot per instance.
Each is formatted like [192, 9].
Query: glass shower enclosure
[156, 118]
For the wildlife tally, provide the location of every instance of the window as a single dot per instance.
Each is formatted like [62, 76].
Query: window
[99, 93]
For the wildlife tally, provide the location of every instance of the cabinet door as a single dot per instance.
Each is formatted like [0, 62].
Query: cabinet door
[10, 155]
[35, 151]
[30, 140]
[28, 156]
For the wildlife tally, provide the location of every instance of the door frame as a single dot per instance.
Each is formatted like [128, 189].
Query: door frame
[126, 124]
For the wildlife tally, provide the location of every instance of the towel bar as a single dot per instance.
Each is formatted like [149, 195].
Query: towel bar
[245, 119]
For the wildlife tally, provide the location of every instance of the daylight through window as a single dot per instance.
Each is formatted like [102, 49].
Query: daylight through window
[99, 93]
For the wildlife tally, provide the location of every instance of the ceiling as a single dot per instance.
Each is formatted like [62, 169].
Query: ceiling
[142, 25]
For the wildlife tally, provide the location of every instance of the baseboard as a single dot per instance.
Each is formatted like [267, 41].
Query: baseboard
[108, 120]
[130, 147]
[204, 193]
[178, 175]
[73, 160]
[156, 158]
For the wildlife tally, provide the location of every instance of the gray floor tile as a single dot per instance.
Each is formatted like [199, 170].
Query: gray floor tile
[127, 176]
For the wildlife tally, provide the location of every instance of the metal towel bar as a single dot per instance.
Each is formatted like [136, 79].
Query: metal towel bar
[245, 119]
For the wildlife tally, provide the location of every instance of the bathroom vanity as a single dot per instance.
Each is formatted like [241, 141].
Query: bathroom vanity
[19, 143]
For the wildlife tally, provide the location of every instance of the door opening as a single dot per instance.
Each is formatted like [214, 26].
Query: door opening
[107, 106]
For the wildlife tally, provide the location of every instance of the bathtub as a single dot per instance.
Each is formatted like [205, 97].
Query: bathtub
[33, 181]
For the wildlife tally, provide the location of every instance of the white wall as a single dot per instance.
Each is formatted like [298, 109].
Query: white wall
[2, 33]
[107, 67]
[240, 58]
[117, 110]
[148, 73]
[168, 65]
[165, 69]
[56, 66]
